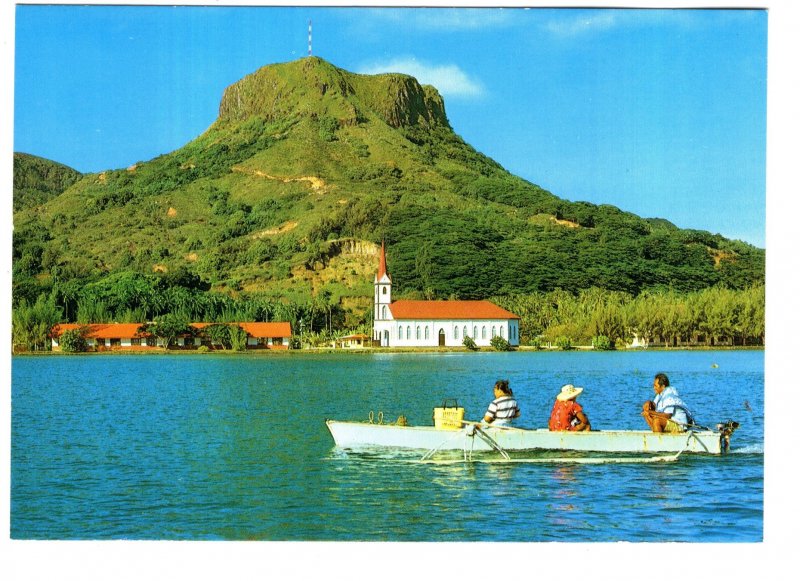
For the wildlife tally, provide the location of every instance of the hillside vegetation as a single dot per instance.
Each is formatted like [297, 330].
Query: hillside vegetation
[38, 180]
[282, 200]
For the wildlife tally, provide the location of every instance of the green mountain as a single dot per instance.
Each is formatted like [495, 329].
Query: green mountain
[308, 167]
[38, 180]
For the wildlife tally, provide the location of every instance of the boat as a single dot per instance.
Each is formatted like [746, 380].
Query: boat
[478, 437]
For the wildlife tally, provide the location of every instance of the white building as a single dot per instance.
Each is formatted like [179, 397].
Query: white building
[436, 323]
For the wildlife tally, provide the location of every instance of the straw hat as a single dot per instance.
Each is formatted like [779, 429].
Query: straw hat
[569, 392]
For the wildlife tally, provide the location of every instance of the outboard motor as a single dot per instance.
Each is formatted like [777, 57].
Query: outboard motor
[725, 430]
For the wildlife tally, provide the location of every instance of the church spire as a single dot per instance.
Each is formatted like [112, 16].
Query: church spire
[382, 264]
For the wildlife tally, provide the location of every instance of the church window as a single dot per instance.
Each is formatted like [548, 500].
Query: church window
[475, 332]
[418, 334]
[455, 333]
[383, 313]
[502, 333]
[427, 333]
[408, 332]
[384, 290]
[465, 330]
[494, 331]
[483, 332]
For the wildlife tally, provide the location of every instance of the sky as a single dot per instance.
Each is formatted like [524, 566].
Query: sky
[659, 112]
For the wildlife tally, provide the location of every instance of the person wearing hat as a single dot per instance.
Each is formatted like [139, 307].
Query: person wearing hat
[567, 414]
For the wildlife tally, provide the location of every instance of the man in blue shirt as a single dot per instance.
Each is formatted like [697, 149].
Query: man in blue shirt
[666, 412]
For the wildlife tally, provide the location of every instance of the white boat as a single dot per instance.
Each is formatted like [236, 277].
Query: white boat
[478, 437]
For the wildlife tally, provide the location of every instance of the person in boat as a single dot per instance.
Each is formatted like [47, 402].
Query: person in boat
[567, 414]
[666, 412]
[504, 407]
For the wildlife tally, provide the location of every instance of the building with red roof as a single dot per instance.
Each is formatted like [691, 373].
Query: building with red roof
[406, 323]
[128, 337]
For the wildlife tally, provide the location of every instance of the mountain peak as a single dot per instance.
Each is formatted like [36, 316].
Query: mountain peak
[312, 86]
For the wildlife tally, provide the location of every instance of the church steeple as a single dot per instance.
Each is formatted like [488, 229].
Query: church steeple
[382, 272]
[383, 288]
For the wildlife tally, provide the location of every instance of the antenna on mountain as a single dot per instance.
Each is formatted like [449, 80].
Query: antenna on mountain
[309, 37]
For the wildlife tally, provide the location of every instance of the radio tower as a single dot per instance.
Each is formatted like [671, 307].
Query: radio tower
[309, 37]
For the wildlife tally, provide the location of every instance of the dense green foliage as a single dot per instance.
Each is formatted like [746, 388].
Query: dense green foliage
[73, 340]
[242, 222]
[31, 323]
[38, 180]
[713, 316]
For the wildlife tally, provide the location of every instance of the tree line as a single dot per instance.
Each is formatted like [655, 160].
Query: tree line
[713, 316]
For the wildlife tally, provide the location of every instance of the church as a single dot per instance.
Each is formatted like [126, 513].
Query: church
[406, 323]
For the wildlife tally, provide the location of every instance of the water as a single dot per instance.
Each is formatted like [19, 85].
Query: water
[235, 447]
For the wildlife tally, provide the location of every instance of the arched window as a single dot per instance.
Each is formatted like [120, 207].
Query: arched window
[494, 331]
[384, 290]
[383, 312]
[427, 332]
[455, 333]
[475, 332]
[399, 331]
[408, 332]
[502, 332]
[418, 334]
[465, 330]
[483, 332]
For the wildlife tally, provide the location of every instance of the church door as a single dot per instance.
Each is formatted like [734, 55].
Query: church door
[386, 338]
[441, 337]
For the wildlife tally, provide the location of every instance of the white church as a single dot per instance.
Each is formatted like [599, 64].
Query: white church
[436, 323]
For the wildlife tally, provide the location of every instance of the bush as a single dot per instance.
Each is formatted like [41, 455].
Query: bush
[327, 128]
[564, 343]
[238, 338]
[500, 344]
[202, 349]
[536, 343]
[603, 343]
[73, 340]
[469, 343]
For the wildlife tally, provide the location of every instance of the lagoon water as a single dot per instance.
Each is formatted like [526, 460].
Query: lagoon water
[235, 447]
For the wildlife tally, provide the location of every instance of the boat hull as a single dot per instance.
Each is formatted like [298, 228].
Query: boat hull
[354, 435]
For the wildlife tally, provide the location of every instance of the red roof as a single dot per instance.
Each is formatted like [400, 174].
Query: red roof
[449, 310]
[129, 330]
[102, 330]
[281, 329]
[382, 263]
[267, 329]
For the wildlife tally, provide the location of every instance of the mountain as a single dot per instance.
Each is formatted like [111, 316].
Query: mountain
[307, 167]
[37, 180]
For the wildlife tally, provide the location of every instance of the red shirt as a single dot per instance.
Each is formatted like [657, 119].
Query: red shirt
[562, 415]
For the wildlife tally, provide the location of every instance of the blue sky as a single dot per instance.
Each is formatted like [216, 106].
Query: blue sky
[659, 112]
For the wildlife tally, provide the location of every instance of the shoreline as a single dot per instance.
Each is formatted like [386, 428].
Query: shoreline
[378, 350]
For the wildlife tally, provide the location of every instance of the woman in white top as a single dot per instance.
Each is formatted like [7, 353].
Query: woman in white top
[504, 407]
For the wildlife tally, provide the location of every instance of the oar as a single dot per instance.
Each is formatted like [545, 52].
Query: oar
[478, 427]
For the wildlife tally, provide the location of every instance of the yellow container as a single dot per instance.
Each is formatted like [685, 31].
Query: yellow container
[448, 418]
